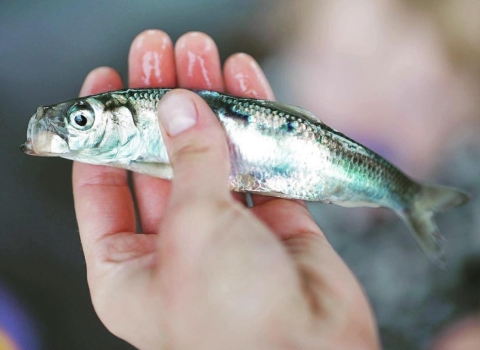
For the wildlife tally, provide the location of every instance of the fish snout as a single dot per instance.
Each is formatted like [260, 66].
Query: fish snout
[27, 148]
[43, 138]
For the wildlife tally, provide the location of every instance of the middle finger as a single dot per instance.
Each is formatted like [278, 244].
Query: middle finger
[198, 67]
[198, 62]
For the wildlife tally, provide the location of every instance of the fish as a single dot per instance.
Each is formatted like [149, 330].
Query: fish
[275, 149]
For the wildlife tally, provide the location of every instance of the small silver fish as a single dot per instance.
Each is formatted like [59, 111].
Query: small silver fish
[275, 149]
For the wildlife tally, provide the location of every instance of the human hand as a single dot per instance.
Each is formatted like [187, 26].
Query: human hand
[208, 273]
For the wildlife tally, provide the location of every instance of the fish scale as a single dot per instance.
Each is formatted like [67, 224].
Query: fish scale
[275, 149]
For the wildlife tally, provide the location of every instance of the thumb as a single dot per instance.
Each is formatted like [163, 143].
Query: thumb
[196, 146]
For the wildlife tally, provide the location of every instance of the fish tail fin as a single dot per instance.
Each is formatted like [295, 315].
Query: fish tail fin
[419, 218]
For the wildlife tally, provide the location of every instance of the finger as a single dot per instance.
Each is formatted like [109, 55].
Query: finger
[151, 64]
[150, 61]
[198, 62]
[99, 80]
[103, 203]
[286, 218]
[196, 145]
[198, 66]
[244, 77]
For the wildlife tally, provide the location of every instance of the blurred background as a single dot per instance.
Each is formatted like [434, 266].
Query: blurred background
[401, 76]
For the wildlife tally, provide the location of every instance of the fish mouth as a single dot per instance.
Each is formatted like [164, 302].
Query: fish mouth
[43, 138]
[27, 148]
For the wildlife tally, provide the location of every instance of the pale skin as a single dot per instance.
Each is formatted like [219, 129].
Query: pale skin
[208, 272]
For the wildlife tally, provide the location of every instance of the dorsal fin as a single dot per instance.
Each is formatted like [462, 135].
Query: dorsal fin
[290, 109]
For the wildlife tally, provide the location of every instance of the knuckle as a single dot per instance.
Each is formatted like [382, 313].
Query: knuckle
[308, 236]
[192, 147]
[109, 177]
[307, 241]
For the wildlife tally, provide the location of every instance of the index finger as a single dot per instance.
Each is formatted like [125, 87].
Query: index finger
[103, 202]
[151, 64]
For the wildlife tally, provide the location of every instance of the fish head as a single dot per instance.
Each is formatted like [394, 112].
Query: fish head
[72, 129]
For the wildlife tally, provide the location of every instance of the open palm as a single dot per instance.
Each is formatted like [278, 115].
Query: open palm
[124, 267]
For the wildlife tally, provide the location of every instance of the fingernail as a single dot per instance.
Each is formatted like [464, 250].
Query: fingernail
[177, 113]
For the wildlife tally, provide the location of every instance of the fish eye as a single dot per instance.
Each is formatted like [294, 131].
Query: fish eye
[81, 116]
[80, 120]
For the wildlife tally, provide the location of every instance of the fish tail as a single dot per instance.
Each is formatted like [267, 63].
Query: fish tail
[419, 218]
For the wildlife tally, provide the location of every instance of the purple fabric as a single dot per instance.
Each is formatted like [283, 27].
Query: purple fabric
[16, 322]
